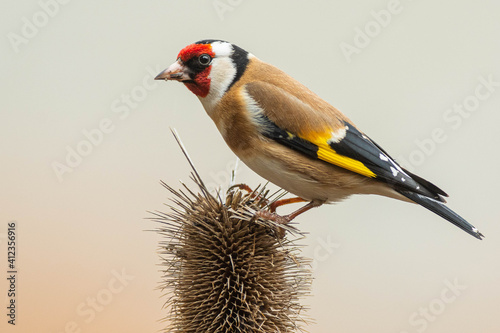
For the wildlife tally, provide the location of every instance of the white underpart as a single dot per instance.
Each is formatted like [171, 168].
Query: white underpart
[338, 136]
[221, 75]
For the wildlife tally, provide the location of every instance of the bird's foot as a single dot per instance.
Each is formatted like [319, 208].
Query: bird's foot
[243, 187]
[284, 220]
[271, 216]
[253, 195]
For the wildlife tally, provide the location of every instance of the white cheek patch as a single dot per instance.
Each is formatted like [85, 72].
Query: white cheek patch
[221, 75]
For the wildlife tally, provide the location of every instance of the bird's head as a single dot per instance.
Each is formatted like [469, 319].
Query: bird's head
[207, 67]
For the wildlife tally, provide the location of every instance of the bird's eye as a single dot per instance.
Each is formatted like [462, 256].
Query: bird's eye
[204, 59]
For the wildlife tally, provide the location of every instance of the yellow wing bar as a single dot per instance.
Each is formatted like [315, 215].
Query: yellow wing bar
[327, 154]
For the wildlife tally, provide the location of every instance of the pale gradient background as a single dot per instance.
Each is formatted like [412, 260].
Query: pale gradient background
[386, 259]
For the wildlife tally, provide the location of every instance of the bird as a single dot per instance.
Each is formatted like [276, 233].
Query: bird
[292, 137]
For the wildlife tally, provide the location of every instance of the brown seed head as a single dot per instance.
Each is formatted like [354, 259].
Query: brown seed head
[225, 270]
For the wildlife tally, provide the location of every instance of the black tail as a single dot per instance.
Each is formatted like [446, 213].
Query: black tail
[440, 209]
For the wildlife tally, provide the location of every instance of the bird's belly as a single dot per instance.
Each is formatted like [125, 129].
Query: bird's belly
[297, 183]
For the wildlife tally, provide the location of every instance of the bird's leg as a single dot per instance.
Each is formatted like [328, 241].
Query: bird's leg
[271, 215]
[283, 202]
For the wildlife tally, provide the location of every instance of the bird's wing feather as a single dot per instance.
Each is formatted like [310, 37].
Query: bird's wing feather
[324, 133]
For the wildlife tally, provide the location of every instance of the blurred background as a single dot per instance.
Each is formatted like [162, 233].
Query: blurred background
[85, 141]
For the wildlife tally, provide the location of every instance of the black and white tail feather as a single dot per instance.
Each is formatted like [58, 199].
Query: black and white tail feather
[442, 210]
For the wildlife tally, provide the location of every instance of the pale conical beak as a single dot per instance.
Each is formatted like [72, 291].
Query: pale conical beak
[177, 71]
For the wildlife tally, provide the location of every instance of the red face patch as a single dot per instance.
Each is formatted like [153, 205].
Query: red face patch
[195, 50]
[200, 85]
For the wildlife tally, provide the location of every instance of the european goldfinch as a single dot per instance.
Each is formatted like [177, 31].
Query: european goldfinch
[287, 134]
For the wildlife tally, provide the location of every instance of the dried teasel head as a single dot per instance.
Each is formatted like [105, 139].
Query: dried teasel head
[226, 270]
